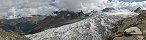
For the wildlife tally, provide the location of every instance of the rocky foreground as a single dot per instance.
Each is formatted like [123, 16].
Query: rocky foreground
[133, 28]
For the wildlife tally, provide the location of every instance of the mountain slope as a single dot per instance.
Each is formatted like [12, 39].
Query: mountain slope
[21, 25]
[61, 18]
[4, 35]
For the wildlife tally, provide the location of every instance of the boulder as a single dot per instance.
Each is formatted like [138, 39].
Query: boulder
[133, 30]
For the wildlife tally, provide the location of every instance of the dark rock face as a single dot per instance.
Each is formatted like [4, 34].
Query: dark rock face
[62, 18]
[138, 10]
[69, 14]
[107, 9]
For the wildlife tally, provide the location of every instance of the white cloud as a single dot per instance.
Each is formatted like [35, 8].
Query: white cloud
[34, 7]
[75, 5]
[88, 5]
[10, 9]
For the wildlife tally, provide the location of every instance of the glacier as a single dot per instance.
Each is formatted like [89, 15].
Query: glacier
[93, 28]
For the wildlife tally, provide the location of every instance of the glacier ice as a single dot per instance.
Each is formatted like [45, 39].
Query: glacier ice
[93, 28]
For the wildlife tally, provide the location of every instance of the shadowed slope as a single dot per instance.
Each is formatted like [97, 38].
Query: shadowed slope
[62, 18]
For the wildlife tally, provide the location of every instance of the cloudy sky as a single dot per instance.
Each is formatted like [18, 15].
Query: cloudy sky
[24, 8]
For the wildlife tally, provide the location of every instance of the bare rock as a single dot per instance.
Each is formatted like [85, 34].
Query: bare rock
[133, 30]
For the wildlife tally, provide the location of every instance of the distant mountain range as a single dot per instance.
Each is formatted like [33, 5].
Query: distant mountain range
[38, 23]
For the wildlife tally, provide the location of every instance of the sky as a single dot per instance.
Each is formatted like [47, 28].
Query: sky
[10, 9]
[132, 0]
